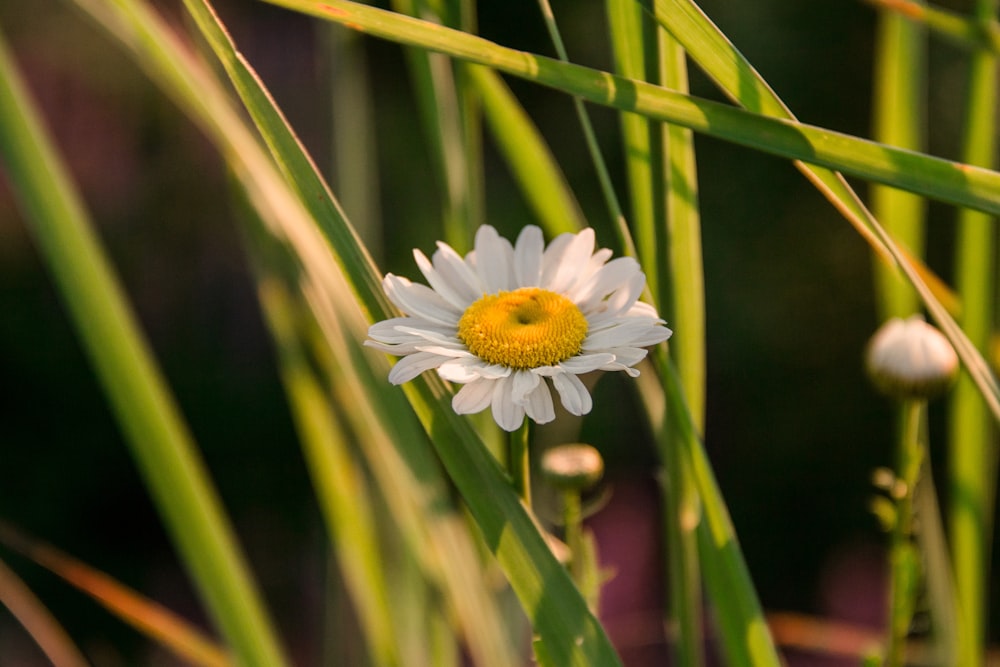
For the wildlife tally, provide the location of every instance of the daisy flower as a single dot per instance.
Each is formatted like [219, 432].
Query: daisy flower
[506, 320]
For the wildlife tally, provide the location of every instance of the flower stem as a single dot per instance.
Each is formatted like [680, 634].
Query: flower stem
[519, 461]
[904, 556]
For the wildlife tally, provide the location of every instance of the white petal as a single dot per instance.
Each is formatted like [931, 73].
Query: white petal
[574, 396]
[638, 333]
[438, 283]
[611, 277]
[522, 384]
[466, 369]
[506, 413]
[575, 256]
[419, 300]
[586, 363]
[494, 256]
[539, 404]
[628, 356]
[528, 257]
[473, 397]
[621, 301]
[462, 278]
[413, 365]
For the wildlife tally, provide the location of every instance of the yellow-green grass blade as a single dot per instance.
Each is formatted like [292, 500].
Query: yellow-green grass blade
[634, 57]
[552, 603]
[735, 76]
[974, 33]
[529, 158]
[340, 487]
[972, 452]
[684, 305]
[292, 159]
[444, 112]
[899, 102]
[149, 617]
[743, 634]
[930, 176]
[159, 440]
[394, 446]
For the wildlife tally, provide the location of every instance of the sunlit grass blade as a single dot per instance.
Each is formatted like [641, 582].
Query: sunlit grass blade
[710, 48]
[659, 161]
[529, 158]
[744, 637]
[149, 617]
[684, 305]
[340, 487]
[930, 176]
[159, 441]
[899, 105]
[615, 212]
[554, 606]
[38, 621]
[972, 449]
[634, 55]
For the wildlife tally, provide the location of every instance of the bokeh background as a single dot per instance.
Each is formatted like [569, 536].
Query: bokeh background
[794, 429]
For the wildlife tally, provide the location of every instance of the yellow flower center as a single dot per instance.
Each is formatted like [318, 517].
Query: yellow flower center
[527, 328]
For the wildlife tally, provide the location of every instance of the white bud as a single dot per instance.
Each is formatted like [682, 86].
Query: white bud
[911, 359]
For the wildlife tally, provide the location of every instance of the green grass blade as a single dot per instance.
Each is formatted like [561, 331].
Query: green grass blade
[737, 78]
[555, 607]
[444, 112]
[632, 51]
[900, 62]
[684, 300]
[532, 164]
[340, 487]
[160, 443]
[744, 636]
[971, 448]
[933, 177]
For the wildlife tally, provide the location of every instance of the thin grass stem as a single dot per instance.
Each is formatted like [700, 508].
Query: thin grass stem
[904, 559]
[519, 463]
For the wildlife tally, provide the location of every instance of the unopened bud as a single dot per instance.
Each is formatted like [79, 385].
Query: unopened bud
[911, 359]
[574, 466]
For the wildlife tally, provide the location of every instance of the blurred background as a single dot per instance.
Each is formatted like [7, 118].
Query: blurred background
[794, 429]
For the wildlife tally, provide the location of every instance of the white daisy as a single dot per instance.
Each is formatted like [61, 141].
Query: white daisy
[505, 317]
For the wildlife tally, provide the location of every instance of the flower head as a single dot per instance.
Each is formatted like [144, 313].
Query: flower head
[506, 317]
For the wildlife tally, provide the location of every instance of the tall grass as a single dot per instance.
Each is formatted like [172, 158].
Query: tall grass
[444, 548]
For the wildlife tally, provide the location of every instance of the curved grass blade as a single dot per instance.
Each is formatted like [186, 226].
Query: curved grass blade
[38, 621]
[708, 46]
[558, 613]
[159, 441]
[937, 178]
[150, 618]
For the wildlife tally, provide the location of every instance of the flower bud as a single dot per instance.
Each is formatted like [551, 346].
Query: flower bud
[910, 359]
[572, 467]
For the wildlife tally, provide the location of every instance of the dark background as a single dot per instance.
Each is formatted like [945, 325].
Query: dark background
[794, 430]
